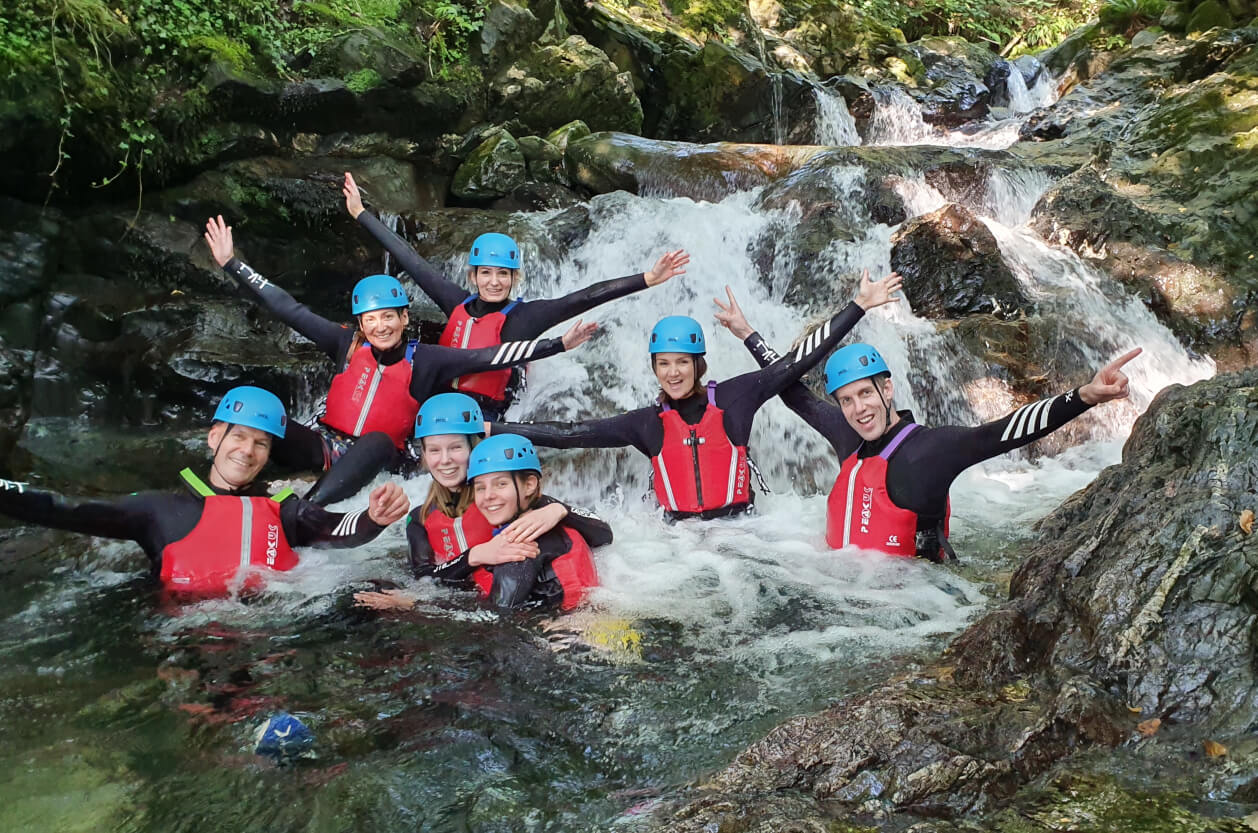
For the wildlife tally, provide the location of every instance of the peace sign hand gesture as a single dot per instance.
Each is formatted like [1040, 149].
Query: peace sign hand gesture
[1109, 382]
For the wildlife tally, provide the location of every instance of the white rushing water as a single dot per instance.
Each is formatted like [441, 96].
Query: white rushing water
[835, 125]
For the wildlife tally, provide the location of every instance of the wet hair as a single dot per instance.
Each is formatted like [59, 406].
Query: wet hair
[442, 499]
[701, 370]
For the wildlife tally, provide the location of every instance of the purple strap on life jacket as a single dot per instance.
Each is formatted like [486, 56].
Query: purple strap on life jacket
[664, 406]
[899, 438]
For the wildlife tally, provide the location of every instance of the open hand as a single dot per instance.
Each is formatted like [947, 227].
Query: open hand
[388, 504]
[218, 236]
[579, 334]
[668, 266]
[499, 550]
[731, 316]
[1109, 382]
[353, 199]
[876, 293]
[384, 600]
[535, 523]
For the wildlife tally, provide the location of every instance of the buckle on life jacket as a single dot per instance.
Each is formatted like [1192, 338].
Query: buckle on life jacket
[694, 440]
[933, 545]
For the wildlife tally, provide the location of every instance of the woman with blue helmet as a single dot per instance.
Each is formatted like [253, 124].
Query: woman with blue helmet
[489, 315]
[450, 537]
[381, 376]
[902, 470]
[696, 435]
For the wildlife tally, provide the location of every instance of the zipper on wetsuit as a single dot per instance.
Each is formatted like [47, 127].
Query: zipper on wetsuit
[467, 336]
[693, 442]
[371, 394]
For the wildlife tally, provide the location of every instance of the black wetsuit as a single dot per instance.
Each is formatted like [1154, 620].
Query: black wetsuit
[154, 520]
[921, 471]
[432, 368]
[516, 583]
[526, 319]
[739, 398]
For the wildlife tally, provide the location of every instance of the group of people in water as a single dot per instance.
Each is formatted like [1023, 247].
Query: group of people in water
[486, 522]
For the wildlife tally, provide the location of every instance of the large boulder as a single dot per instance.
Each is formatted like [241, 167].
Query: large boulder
[952, 267]
[495, 169]
[555, 84]
[953, 70]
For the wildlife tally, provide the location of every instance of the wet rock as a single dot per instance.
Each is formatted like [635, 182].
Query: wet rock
[494, 169]
[555, 84]
[953, 69]
[952, 267]
[508, 28]
[570, 132]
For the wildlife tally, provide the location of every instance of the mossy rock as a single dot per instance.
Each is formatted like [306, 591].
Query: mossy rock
[1175, 16]
[390, 58]
[1207, 16]
[507, 30]
[493, 170]
[573, 130]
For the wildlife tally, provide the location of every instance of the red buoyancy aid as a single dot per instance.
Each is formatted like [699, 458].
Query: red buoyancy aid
[575, 571]
[462, 330]
[451, 537]
[366, 397]
[234, 537]
[859, 512]
[699, 467]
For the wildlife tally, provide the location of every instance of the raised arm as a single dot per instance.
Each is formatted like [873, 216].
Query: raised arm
[631, 428]
[328, 336]
[445, 293]
[310, 525]
[532, 318]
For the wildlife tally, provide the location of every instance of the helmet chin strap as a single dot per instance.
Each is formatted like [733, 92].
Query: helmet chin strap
[886, 406]
[214, 466]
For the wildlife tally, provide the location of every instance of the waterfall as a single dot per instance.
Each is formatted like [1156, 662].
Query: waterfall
[835, 125]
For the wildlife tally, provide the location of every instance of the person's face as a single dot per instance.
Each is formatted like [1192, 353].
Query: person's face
[445, 457]
[675, 373]
[498, 498]
[493, 283]
[239, 454]
[384, 328]
[862, 407]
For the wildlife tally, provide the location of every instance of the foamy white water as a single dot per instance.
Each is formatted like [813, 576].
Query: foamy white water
[835, 125]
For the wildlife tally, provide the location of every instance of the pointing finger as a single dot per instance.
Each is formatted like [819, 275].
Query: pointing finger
[1123, 359]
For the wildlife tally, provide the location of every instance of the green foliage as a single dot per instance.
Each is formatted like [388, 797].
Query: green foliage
[1125, 15]
[363, 80]
[448, 26]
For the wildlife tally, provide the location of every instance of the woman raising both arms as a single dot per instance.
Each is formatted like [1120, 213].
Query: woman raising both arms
[489, 316]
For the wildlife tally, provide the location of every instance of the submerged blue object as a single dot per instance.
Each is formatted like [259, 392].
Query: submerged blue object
[503, 452]
[678, 334]
[851, 364]
[378, 292]
[494, 249]
[253, 408]
[449, 413]
[283, 738]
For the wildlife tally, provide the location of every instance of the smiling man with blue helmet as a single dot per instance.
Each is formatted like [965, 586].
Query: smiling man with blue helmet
[891, 494]
[224, 533]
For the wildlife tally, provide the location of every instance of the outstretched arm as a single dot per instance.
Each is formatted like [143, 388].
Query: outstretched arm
[550, 513]
[444, 292]
[532, 318]
[311, 525]
[330, 337]
[125, 518]
[631, 428]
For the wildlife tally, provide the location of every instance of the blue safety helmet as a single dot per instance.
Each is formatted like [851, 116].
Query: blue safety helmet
[494, 249]
[853, 363]
[283, 738]
[449, 413]
[678, 334]
[378, 292]
[253, 408]
[503, 452]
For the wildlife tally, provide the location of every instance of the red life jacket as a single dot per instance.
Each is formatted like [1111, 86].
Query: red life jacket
[860, 513]
[698, 467]
[451, 537]
[575, 571]
[366, 397]
[462, 330]
[234, 538]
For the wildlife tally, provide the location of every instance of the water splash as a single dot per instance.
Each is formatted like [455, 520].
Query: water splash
[835, 125]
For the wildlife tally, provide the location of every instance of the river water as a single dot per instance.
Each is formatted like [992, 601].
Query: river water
[120, 714]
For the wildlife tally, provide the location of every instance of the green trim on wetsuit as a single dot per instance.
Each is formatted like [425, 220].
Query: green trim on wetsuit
[199, 486]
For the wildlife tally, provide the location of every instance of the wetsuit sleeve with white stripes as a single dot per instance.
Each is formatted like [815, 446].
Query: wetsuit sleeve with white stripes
[328, 336]
[824, 417]
[308, 524]
[529, 319]
[920, 473]
[741, 396]
[640, 428]
[591, 527]
[434, 366]
[444, 292]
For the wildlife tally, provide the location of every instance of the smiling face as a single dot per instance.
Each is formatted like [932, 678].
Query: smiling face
[239, 454]
[864, 409]
[384, 328]
[445, 457]
[493, 283]
[676, 373]
[500, 497]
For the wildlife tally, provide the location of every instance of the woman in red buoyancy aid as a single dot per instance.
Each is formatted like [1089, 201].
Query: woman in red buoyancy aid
[696, 435]
[449, 536]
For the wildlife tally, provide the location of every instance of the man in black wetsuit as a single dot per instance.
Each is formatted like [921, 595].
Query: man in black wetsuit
[221, 535]
[361, 454]
[891, 494]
